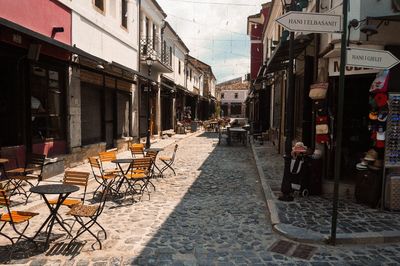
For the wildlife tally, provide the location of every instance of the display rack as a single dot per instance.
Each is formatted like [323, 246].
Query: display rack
[392, 141]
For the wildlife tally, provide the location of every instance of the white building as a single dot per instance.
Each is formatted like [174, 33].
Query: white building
[233, 95]
[102, 91]
[152, 48]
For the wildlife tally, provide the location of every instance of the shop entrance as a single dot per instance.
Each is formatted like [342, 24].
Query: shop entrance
[356, 136]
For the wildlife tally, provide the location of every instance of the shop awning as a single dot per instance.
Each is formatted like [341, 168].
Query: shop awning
[280, 58]
[67, 47]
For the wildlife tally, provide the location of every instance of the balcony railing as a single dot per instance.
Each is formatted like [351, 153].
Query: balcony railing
[151, 46]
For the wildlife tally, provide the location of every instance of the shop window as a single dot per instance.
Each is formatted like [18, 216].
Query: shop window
[47, 108]
[99, 4]
[124, 13]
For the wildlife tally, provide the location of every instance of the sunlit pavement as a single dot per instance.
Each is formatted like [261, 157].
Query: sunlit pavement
[213, 212]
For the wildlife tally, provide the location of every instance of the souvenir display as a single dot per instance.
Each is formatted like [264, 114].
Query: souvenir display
[392, 154]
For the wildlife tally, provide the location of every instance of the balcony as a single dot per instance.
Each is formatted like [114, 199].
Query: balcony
[151, 47]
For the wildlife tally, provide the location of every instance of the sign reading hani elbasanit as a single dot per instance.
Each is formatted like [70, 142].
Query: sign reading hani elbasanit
[378, 59]
[311, 22]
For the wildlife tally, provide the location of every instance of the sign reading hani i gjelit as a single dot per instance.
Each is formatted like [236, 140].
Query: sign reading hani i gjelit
[378, 59]
[311, 22]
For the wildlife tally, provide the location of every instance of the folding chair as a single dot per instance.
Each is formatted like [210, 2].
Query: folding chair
[77, 179]
[137, 150]
[168, 161]
[153, 155]
[106, 158]
[14, 218]
[91, 213]
[140, 171]
[32, 171]
[103, 179]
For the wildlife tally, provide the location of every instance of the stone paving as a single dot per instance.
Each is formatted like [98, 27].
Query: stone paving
[213, 212]
[314, 213]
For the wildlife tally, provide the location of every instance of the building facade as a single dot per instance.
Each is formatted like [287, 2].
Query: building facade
[317, 64]
[233, 98]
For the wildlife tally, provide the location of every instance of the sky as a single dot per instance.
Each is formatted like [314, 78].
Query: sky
[215, 31]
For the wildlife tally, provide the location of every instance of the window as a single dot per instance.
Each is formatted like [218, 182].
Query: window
[47, 105]
[99, 4]
[179, 67]
[222, 95]
[236, 95]
[190, 74]
[124, 13]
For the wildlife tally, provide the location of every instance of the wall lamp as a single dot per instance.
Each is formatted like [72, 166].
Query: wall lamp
[56, 30]
[367, 29]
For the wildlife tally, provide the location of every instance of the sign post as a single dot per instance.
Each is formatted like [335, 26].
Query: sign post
[371, 58]
[311, 22]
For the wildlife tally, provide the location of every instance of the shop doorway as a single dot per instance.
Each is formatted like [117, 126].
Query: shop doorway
[356, 136]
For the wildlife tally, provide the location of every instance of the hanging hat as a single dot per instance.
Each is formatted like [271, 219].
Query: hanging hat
[372, 103]
[322, 138]
[373, 115]
[382, 114]
[377, 165]
[381, 99]
[379, 144]
[363, 165]
[373, 135]
[371, 155]
[380, 135]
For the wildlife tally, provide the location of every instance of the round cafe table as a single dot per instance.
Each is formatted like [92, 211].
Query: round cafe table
[63, 191]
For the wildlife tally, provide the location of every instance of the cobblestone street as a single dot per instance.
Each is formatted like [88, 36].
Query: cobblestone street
[213, 212]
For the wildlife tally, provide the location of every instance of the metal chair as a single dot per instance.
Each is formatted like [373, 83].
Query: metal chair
[153, 155]
[32, 171]
[137, 150]
[105, 159]
[78, 179]
[91, 213]
[103, 179]
[168, 161]
[140, 171]
[14, 218]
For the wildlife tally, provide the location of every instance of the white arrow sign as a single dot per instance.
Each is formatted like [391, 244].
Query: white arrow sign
[379, 59]
[311, 22]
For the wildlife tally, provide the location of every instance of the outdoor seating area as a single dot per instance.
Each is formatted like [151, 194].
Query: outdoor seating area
[68, 205]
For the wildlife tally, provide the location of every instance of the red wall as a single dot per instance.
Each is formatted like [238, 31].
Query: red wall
[39, 15]
[256, 50]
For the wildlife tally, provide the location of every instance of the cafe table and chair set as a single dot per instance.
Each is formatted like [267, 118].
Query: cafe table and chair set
[116, 178]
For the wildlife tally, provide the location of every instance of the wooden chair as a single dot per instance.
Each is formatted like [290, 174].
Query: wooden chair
[32, 171]
[14, 218]
[168, 161]
[137, 150]
[90, 213]
[105, 159]
[77, 179]
[140, 171]
[103, 179]
[153, 155]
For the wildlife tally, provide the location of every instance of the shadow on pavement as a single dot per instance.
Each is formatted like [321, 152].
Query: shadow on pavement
[220, 218]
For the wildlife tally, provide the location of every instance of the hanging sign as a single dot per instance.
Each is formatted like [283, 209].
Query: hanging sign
[311, 22]
[378, 59]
